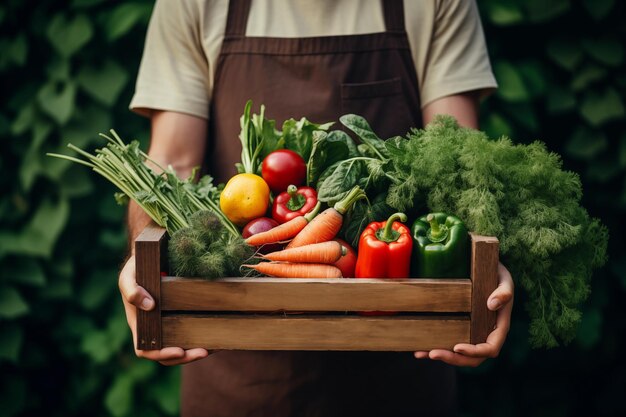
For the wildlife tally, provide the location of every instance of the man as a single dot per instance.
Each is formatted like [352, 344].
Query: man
[203, 60]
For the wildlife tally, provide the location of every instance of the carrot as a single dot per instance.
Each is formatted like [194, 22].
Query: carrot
[284, 231]
[322, 253]
[326, 226]
[296, 270]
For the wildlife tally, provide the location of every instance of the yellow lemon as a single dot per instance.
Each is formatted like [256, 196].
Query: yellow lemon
[245, 197]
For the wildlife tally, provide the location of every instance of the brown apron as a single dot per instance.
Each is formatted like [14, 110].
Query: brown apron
[321, 78]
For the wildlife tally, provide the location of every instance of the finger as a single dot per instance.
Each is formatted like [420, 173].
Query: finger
[131, 292]
[482, 350]
[422, 354]
[162, 354]
[503, 294]
[455, 359]
[191, 355]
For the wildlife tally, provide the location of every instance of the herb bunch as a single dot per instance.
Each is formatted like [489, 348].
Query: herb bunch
[167, 199]
[519, 193]
[207, 249]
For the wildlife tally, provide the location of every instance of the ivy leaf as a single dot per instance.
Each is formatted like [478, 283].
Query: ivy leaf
[124, 17]
[587, 75]
[599, 107]
[565, 52]
[542, 11]
[39, 236]
[104, 83]
[586, 143]
[512, 87]
[12, 304]
[504, 13]
[608, 50]
[118, 399]
[95, 289]
[11, 338]
[560, 100]
[67, 36]
[26, 271]
[57, 100]
[598, 9]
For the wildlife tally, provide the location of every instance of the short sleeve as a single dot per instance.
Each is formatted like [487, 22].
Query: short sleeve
[174, 71]
[456, 60]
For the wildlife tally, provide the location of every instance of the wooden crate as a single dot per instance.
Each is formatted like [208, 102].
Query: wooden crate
[313, 314]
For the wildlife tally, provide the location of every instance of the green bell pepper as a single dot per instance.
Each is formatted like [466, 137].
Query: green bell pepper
[441, 247]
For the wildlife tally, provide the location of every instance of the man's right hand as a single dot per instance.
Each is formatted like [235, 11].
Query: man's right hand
[135, 297]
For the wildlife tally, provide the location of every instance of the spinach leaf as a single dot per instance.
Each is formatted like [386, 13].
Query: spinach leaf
[362, 129]
[327, 149]
[298, 135]
[340, 181]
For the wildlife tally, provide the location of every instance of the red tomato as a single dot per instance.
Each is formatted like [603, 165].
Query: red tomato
[282, 168]
[347, 262]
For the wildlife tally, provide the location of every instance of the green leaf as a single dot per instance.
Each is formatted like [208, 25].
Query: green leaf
[542, 11]
[603, 170]
[524, 113]
[11, 338]
[560, 100]
[534, 78]
[31, 164]
[24, 119]
[298, 136]
[590, 329]
[17, 50]
[39, 236]
[327, 149]
[362, 129]
[12, 305]
[512, 87]
[95, 289]
[85, 3]
[565, 52]
[598, 9]
[600, 107]
[58, 69]
[162, 393]
[76, 182]
[67, 36]
[57, 100]
[587, 75]
[124, 17]
[340, 182]
[622, 151]
[104, 83]
[118, 399]
[504, 13]
[26, 271]
[607, 50]
[586, 144]
[496, 125]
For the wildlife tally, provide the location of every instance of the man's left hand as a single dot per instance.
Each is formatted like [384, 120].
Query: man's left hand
[465, 354]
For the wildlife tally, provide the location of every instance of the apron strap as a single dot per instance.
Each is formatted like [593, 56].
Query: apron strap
[238, 11]
[394, 15]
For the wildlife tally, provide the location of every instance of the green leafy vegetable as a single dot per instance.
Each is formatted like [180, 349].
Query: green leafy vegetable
[167, 199]
[298, 135]
[518, 193]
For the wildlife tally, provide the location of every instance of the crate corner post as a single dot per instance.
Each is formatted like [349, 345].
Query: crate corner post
[484, 276]
[149, 252]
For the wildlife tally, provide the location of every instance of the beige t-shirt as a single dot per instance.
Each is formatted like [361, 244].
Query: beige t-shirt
[185, 36]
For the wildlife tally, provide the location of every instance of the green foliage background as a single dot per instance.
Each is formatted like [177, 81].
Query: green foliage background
[67, 71]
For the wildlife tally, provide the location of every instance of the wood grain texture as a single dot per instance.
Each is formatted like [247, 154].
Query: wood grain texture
[399, 333]
[149, 251]
[484, 275]
[299, 294]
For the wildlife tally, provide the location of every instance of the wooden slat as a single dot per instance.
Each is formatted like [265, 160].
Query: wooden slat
[149, 248]
[299, 294]
[399, 333]
[484, 275]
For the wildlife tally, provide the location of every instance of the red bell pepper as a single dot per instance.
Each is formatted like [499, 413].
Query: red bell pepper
[385, 249]
[293, 203]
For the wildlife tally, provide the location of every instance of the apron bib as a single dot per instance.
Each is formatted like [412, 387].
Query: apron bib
[322, 78]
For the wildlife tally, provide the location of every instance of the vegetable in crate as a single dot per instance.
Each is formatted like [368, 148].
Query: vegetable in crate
[206, 249]
[440, 247]
[385, 249]
[282, 168]
[293, 203]
[245, 197]
[346, 263]
[519, 193]
[260, 225]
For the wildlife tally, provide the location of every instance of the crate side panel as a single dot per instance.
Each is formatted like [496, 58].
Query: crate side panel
[294, 294]
[315, 332]
[484, 275]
